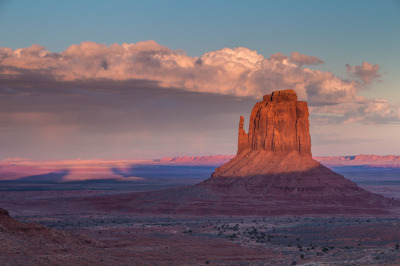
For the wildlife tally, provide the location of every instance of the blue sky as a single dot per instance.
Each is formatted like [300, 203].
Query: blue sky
[355, 28]
[338, 32]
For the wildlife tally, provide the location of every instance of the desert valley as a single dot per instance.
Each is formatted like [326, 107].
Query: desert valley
[205, 132]
[271, 204]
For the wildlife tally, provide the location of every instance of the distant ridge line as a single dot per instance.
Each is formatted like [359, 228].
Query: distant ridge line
[361, 159]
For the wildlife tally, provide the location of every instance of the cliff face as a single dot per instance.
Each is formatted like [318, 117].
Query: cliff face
[278, 140]
[278, 124]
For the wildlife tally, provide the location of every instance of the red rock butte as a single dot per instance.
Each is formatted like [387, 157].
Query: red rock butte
[278, 140]
[273, 173]
[279, 124]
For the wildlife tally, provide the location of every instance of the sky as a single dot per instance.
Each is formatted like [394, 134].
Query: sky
[147, 79]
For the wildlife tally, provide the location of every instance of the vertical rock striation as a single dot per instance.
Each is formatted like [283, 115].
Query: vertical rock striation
[278, 124]
[278, 139]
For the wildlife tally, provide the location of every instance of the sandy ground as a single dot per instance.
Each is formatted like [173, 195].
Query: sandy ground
[131, 240]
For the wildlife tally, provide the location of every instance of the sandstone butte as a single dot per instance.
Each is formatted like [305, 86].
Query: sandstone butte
[273, 173]
[278, 139]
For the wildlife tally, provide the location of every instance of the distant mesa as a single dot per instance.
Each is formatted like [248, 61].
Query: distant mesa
[389, 161]
[370, 160]
[197, 160]
[273, 173]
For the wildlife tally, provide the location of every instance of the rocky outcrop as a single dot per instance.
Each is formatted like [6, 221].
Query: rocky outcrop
[278, 124]
[278, 140]
[10, 225]
[274, 160]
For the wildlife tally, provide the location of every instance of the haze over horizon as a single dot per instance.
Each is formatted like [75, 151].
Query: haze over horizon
[150, 79]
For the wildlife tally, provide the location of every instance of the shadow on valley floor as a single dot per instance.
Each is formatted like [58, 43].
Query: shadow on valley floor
[153, 177]
[20, 196]
[363, 174]
[53, 177]
[385, 181]
[165, 171]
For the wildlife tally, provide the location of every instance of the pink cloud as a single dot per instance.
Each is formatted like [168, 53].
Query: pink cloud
[366, 72]
[302, 59]
[237, 71]
[362, 110]
[232, 71]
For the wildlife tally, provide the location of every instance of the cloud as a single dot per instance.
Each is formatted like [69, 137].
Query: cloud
[334, 138]
[363, 110]
[366, 72]
[228, 71]
[302, 59]
[235, 71]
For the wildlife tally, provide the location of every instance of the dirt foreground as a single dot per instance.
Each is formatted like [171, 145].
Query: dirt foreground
[132, 240]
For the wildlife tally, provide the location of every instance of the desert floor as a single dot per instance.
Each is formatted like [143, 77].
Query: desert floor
[111, 239]
[77, 238]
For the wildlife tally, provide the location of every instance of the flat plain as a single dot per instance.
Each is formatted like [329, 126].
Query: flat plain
[71, 236]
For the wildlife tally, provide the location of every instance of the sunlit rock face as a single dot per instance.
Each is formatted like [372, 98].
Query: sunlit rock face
[278, 139]
[278, 124]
